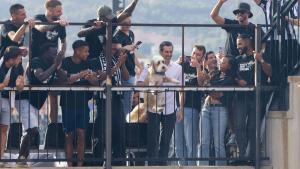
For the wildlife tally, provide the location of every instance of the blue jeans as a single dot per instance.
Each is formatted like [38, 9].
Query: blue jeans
[186, 136]
[127, 96]
[215, 119]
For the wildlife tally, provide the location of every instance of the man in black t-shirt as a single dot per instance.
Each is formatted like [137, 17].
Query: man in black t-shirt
[11, 74]
[41, 72]
[245, 103]
[186, 131]
[42, 34]
[13, 30]
[126, 38]
[243, 13]
[95, 29]
[74, 104]
[119, 74]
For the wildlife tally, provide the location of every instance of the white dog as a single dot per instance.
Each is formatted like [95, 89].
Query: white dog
[154, 101]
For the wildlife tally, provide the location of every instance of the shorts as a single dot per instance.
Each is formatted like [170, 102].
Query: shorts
[73, 119]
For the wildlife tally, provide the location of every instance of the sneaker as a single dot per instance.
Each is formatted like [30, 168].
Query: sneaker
[22, 163]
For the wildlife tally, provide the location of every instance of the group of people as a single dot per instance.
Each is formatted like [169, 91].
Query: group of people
[196, 119]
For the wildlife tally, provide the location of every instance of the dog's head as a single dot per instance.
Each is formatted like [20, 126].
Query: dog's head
[158, 65]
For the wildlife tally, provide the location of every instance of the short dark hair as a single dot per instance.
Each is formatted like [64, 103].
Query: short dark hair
[246, 37]
[163, 44]
[201, 48]
[232, 63]
[15, 7]
[79, 44]
[52, 4]
[45, 47]
[11, 52]
[208, 53]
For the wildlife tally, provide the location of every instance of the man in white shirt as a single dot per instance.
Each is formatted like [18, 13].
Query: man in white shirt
[161, 124]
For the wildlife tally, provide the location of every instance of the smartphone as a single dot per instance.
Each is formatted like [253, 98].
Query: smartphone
[138, 43]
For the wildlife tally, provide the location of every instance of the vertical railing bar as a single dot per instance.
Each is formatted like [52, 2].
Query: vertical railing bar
[108, 116]
[257, 95]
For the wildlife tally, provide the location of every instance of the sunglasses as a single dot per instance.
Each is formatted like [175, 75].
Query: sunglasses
[242, 12]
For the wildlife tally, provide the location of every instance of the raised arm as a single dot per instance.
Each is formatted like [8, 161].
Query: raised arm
[127, 11]
[85, 31]
[215, 12]
[16, 36]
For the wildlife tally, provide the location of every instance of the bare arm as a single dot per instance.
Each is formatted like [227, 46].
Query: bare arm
[84, 32]
[16, 36]
[215, 12]
[127, 11]
[45, 28]
[63, 46]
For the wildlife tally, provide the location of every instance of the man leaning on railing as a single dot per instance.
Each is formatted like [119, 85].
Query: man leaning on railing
[245, 103]
[11, 75]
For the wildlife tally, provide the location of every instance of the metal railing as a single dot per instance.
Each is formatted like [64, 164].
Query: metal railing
[109, 90]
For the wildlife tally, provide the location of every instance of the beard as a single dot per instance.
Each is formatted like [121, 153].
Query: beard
[243, 51]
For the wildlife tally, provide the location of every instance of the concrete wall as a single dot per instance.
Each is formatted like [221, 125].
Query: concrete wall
[283, 132]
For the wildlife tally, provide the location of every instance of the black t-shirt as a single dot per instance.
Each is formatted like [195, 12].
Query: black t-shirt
[246, 69]
[100, 63]
[51, 36]
[232, 33]
[38, 98]
[15, 72]
[97, 39]
[193, 99]
[125, 39]
[7, 27]
[220, 79]
[75, 99]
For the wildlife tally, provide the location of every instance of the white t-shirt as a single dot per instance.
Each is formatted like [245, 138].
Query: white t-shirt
[174, 71]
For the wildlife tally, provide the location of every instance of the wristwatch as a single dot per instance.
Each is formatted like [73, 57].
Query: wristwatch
[262, 61]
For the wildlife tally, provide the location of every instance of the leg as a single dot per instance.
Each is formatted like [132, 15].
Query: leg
[219, 123]
[29, 119]
[240, 122]
[167, 128]
[191, 123]
[180, 142]
[251, 121]
[53, 107]
[152, 136]
[99, 131]
[80, 146]
[205, 127]
[69, 148]
[118, 132]
[4, 123]
[128, 95]
[3, 138]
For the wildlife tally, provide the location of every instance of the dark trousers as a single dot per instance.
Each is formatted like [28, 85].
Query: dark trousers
[118, 129]
[160, 130]
[245, 122]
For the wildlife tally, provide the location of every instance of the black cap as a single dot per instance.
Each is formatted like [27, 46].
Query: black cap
[243, 7]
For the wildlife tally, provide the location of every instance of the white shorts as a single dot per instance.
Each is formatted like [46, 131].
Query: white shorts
[28, 114]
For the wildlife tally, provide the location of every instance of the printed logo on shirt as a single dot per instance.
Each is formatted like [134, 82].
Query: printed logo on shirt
[243, 67]
[189, 77]
[52, 35]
